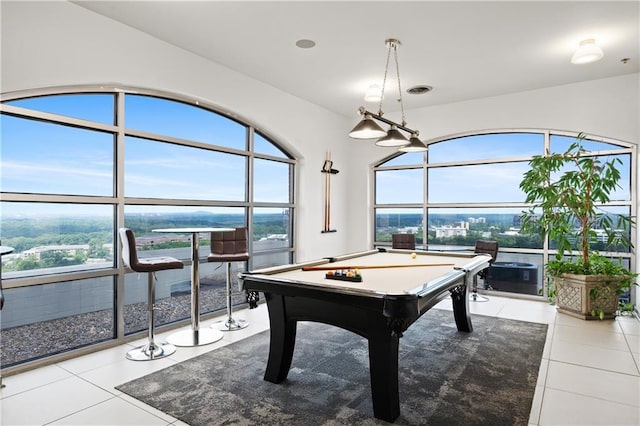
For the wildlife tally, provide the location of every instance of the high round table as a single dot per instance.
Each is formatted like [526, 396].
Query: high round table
[195, 336]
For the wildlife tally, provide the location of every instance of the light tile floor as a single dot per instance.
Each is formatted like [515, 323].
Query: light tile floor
[589, 374]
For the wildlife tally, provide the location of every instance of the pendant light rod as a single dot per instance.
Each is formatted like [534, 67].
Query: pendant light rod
[379, 117]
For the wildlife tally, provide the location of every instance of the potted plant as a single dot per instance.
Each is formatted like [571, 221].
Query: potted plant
[567, 191]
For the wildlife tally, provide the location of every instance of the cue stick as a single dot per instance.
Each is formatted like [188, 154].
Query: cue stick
[333, 268]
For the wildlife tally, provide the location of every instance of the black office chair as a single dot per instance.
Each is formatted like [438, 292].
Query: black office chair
[228, 247]
[151, 350]
[491, 248]
[403, 241]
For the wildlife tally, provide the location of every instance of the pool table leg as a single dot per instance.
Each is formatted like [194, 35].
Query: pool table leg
[283, 340]
[383, 368]
[460, 300]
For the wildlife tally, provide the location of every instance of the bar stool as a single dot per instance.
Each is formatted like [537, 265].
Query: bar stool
[491, 248]
[151, 350]
[403, 241]
[229, 246]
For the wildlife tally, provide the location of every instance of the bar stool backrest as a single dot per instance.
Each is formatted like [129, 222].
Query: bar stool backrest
[129, 252]
[130, 256]
[229, 246]
[403, 241]
[487, 247]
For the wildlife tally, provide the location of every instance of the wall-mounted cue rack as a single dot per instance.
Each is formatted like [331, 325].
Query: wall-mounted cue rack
[328, 170]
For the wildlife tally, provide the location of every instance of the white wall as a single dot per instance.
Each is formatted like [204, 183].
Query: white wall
[52, 44]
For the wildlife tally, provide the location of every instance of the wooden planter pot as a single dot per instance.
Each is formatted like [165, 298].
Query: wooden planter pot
[573, 295]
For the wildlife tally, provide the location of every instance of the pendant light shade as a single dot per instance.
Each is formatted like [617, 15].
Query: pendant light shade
[393, 138]
[367, 129]
[415, 145]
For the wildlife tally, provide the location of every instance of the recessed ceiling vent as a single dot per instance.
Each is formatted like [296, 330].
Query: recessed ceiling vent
[419, 90]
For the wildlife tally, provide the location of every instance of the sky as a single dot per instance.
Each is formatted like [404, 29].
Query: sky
[40, 157]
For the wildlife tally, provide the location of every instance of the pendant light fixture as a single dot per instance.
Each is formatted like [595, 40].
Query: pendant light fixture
[367, 128]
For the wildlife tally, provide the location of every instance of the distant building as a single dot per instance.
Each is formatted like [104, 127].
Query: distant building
[408, 230]
[69, 250]
[477, 220]
[511, 232]
[459, 229]
[109, 248]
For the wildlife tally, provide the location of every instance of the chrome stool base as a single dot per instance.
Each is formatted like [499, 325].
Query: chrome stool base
[202, 336]
[475, 297]
[230, 325]
[145, 353]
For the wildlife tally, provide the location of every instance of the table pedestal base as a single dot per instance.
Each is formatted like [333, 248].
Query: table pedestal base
[200, 337]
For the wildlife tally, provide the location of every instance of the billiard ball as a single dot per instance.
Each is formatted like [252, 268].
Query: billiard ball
[413, 255]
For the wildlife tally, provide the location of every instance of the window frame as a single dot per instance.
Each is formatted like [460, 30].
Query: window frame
[118, 199]
[427, 205]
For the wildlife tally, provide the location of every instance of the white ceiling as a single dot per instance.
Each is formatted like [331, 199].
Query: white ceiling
[465, 50]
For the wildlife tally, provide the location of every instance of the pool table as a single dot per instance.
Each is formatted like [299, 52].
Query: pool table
[397, 287]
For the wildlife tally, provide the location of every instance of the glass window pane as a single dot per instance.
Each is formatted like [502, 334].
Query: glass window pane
[172, 302]
[461, 227]
[480, 183]
[599, 243]
[271, 228]
[53, 238]
[43, 320]
[481, 147]
[173, 288]
[180, 120]
[398, 221]
[97, 107]
[561, 143]
[622, 162]
[264, 146]
[46, 158]
[399, 186]
[267, 260]
[613, 212]
[518, 273]
[405, 159]
[173, 293]
[623, 192]
[271, 181]
[163, 170]
[144, 219]
[40, 157]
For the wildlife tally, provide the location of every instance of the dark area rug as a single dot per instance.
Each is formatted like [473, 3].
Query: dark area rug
[446, 377]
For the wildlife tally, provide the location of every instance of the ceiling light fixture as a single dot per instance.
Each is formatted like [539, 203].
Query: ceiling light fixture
[588, 52]
[374, 94]
[367, 128]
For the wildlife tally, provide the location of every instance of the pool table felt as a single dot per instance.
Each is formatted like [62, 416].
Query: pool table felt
[401, 280]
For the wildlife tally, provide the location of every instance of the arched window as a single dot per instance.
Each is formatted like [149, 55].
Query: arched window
[78, 165]
[466, 188]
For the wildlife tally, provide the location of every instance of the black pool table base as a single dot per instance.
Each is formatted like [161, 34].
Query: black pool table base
[381, 333]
